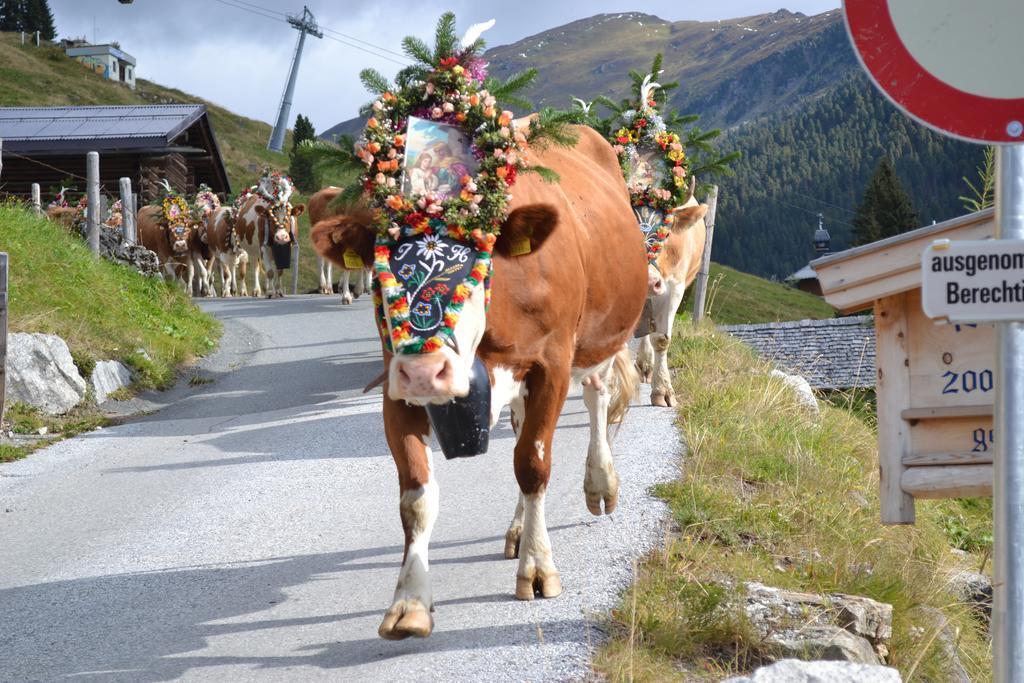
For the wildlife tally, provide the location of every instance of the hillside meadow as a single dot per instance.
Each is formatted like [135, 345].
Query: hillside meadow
[103, 311]
[772, 494]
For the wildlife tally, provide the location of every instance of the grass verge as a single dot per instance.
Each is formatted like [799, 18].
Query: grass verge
[102, 310]
[771, 493]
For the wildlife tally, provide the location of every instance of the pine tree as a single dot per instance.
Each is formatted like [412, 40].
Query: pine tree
[12, 15]
[301, 166]
[886, 209]
[38, 17]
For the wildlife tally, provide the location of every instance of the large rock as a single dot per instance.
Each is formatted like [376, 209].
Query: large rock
[801, 388]
[823, 642]
[810, 626]
[107, 377]
[40, 372]
[772, 610]
[795, 671]
[975, 590]
[114, 248]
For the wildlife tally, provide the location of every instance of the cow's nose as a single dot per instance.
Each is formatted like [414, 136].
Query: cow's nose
[425, 376]
[281, 237]
[655, 283]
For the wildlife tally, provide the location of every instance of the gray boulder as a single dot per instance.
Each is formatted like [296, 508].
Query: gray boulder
[823, 642]
[114, 247]
[40, 373]
[975, 590]
[801, 388]
[931, 623]
[795, 671]
[107, 377]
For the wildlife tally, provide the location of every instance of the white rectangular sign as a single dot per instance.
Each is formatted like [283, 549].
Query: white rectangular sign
[973, 280]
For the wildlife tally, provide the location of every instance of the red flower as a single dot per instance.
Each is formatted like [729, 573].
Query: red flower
[641, 123]
[622, 139]
[449, 62]
[441, 289]
[510, 176]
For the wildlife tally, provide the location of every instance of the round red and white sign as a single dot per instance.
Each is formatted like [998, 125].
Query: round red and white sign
[955, 66]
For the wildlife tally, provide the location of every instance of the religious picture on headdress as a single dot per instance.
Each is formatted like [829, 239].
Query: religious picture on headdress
[436, 157]
[645, 169]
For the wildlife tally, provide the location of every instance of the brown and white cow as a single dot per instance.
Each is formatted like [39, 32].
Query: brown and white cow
[268, 223]
[176, 248]
[319, 209]
[228, 255]
[668, 277]
[556, 317]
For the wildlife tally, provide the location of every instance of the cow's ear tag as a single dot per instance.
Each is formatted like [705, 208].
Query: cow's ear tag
[352, 260]
[521, 246]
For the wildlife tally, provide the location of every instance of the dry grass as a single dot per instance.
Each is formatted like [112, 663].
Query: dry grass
[772, 494]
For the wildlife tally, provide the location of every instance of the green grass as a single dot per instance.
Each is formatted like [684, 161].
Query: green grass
[736, 298]
[102, 310]
[770, 493]
[44, 76]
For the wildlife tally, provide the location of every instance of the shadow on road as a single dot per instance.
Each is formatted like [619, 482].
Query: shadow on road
[138, 626]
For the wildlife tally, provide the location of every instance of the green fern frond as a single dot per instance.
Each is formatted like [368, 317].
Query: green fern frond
[553, 127]
[445, 38]
[374, 81]
[418, 50]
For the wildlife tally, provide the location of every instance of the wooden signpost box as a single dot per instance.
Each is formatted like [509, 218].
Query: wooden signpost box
[935, 383]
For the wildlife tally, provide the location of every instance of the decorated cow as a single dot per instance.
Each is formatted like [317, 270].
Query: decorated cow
[352, 270]
[169, 229]
[491, 288]
[265, 214]
[653, 160]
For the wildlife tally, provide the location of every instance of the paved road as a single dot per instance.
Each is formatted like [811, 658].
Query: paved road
[250, 529]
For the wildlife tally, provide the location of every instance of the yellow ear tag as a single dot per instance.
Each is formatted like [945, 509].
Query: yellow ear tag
[352, 260]
[521, 246]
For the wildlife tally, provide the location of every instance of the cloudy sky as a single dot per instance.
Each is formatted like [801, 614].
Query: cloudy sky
[237, 52]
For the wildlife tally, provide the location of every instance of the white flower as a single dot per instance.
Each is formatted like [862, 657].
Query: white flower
[378, 106]
[430, 248]
[448, 107]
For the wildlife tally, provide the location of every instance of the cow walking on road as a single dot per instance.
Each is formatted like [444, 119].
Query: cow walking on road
[176, 247]
[269, 223]
[353, 281]
[556, 318]
[228, 255]
[668, 276]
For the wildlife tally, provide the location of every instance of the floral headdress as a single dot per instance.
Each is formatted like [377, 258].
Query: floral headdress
[421, 235]
[206, 201]
[176, 212]
[643, 130]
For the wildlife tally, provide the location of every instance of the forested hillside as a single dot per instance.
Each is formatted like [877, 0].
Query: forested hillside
[819, 159]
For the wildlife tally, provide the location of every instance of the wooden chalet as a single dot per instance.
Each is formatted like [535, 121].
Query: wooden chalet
[935, 381]
[146, 143]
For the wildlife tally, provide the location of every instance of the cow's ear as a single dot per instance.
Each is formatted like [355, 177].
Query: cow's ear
[335, 235]
[526, 229]
[260, 209]
[298, 210]
[685, 216]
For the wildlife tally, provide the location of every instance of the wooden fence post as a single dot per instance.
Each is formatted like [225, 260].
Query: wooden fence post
[127, 211]
[92, 193]
[701, 286]
[3, 332]
[37, 202]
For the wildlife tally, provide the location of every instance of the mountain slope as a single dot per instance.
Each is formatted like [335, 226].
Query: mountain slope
[44, 76]
[788, 92]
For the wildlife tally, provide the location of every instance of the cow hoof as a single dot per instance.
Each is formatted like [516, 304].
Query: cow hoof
[601, 486]
[228, 295]
[663, 400]
[512, 542]
[398, 624]
[545, 586]
[346, 299]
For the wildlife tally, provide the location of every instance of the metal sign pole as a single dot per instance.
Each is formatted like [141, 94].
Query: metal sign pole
[1008, 487]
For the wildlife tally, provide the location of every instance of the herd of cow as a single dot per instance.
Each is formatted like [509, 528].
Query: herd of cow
[212, 239]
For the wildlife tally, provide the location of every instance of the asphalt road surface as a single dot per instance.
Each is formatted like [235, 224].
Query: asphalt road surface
[249, 529]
